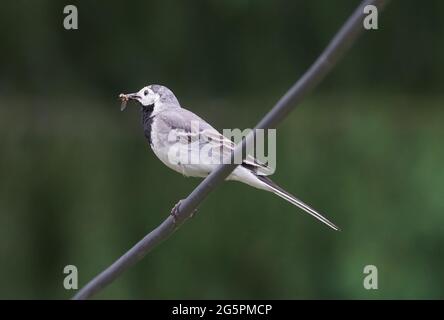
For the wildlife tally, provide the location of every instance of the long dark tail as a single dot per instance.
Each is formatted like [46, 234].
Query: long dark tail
[295, 201]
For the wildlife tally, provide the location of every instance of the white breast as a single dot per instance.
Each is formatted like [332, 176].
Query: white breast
[164, 149]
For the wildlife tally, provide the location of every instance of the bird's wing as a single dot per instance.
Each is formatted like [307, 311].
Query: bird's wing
[219, 141]
[189, 128]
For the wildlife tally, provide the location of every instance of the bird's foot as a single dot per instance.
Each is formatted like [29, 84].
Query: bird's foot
[175, 212]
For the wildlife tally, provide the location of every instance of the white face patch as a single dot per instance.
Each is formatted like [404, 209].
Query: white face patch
[147, 96]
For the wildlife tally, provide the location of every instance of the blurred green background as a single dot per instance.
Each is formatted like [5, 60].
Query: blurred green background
[79, 184]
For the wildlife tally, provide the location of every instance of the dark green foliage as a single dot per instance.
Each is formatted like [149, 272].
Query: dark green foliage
[79, 185]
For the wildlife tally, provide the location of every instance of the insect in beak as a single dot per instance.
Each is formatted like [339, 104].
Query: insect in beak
[124, 98]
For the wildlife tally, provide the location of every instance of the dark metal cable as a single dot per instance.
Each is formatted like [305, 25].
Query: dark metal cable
[341, 42]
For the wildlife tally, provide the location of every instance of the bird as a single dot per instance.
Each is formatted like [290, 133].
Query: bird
[163, 116]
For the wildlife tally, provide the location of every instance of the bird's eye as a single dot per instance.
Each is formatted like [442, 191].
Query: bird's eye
[145, 92]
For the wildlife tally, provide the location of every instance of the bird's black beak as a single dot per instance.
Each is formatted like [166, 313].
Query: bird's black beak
[132, 96]
[124, 97]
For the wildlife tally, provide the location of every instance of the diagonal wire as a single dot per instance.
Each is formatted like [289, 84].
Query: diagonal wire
[341, 42]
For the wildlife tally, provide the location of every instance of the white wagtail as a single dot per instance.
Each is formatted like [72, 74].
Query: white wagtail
[163, 115]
